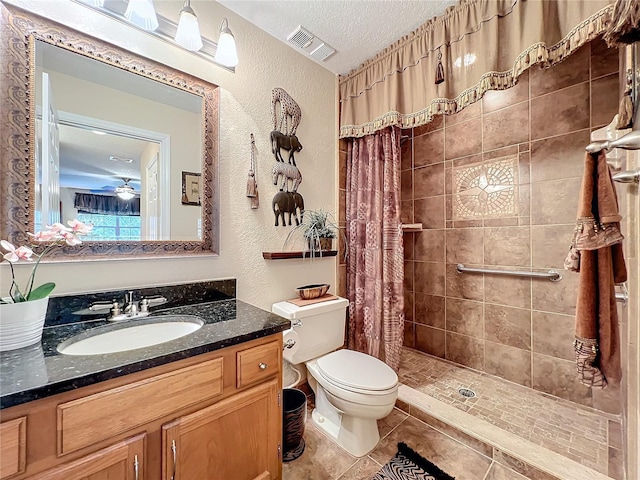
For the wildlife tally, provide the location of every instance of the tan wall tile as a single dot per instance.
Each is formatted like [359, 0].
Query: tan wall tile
[573, 70]
[560, 112]
[556, 297]
[430, 340]
[465, 350]
[524, 167]
[508, 126]
[408, 275]
[553, 334]
[409, 334]
[507, 246]
[428, 149]
[430, 211]
[409, 304]
[607, 400]
[430, 277]
[559, 157]
[462, 285]
[463, 139]
[429, 245]
[406, 211]
[500, 152]
[555, 201]
[558, 377]
[464, 316]
[342, 281]
[430, 310]
[407, 242]
[605, 97]
[428, 181]
[406, 185]
[471, 111]
[504, 290]
[510, 363]
[550, 245]
[494, 100]
[604, 60]
[508, 326]
[342, 170]
[436, 123]
[465, 245]
[406, 151]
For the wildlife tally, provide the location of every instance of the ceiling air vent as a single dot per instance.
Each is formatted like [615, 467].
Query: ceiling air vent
[323, 52]
[301, 37]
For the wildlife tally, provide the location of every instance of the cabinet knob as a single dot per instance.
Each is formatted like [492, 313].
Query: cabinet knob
[262, 366]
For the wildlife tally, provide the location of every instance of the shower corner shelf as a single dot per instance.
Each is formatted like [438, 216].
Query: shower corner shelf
[411, 227]
[287, 255]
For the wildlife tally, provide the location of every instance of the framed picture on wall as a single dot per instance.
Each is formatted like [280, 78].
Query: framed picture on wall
[191, 188]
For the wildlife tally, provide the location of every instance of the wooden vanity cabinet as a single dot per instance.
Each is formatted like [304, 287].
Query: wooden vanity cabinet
[129, 427]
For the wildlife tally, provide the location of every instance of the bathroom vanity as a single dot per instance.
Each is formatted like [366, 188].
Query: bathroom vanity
[204, 406]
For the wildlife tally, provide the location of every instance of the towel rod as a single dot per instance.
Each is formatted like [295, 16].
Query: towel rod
[627, 176]
[552, 275]
[630, 141]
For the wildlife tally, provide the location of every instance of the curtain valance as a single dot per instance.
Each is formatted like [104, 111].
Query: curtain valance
[106, 205]
[482, 45]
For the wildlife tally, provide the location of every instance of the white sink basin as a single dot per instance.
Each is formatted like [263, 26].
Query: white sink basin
[145, 333]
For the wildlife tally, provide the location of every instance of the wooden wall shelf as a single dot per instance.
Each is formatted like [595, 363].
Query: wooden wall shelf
[411, 227]
[286, 255]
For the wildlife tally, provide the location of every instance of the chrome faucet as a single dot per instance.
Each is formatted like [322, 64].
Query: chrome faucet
[132, 309]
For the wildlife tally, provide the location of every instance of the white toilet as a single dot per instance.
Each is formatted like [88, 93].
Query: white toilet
[353, 390]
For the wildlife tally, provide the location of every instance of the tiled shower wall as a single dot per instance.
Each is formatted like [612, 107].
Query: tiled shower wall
[496, 185]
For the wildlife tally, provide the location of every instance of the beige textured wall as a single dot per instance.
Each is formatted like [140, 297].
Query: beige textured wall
[519, 329]
[244, 108]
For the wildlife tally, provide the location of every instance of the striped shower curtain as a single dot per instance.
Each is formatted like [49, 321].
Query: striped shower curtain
[375, 264]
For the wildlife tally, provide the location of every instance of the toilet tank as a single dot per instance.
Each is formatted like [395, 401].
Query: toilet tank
[322, 330]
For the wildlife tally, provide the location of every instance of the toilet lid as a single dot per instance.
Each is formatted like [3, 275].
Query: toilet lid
[364, 371]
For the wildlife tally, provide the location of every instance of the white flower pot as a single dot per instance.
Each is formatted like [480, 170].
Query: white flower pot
[21, 323]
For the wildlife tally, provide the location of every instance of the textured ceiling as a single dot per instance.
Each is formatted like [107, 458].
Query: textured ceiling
[357, 29]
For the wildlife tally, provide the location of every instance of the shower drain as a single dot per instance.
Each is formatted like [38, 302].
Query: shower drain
[465, 392]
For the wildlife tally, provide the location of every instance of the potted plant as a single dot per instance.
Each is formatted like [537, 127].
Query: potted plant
[318, 228]
[22, 313]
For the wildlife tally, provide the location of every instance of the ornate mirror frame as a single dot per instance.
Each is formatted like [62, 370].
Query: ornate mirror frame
[19, 31]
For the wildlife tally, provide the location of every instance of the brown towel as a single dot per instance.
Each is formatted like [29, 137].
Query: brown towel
[598, 239]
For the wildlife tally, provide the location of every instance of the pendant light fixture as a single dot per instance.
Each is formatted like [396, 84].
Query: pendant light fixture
[226, 53]
[126, 191]
[142, 14]
[188, 33]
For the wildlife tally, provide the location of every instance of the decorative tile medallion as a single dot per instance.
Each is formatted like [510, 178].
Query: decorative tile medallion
[486, 189]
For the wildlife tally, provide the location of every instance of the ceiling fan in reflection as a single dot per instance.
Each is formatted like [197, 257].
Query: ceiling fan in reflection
[124, 191]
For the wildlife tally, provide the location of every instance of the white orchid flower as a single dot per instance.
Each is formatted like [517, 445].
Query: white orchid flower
[14, 254]
[78, 227]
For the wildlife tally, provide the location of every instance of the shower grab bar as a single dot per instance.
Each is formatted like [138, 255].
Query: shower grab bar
[552, 275]
[630, 141]
[623, 296]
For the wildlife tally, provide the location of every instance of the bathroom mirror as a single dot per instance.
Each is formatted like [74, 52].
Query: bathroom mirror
[114, 122]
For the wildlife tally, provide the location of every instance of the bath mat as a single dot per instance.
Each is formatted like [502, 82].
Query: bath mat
[408, 465]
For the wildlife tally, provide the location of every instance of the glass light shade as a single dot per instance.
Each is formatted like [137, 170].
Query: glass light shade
[142, 14]
[126, 195]
[226, 53]
[188, 33]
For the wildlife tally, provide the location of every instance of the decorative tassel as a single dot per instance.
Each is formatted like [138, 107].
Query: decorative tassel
[625, 110]
[252, 185]
[439, 69]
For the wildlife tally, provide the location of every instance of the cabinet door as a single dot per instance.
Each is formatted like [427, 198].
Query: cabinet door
[121, 461]
[237, 438]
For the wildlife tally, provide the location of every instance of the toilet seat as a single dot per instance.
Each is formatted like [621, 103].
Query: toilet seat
[365, 374]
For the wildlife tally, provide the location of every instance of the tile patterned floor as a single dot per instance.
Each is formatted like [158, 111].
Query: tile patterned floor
[324, 460]
[572, 431]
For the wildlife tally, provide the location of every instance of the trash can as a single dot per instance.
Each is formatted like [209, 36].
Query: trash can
[294, 416]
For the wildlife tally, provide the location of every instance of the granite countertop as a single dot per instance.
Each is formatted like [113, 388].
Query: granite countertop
[40, 371]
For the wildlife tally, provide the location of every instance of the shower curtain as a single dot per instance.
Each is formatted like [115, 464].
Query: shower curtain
[375, 264]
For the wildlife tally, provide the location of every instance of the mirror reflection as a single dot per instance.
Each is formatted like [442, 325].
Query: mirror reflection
[111, 149]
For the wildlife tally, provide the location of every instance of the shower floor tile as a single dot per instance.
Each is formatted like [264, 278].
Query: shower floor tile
[572, 431]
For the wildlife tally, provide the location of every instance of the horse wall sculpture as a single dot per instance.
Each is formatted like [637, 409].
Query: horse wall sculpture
[289, 142]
